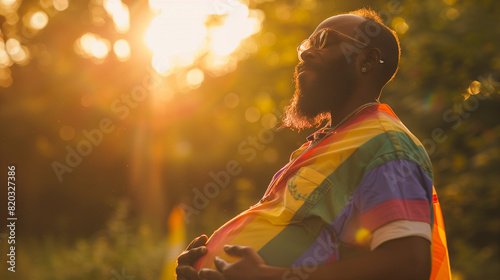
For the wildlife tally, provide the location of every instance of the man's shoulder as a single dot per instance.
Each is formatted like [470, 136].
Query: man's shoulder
[391, 140]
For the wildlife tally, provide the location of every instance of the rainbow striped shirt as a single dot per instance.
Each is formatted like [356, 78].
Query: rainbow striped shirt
[336, 190]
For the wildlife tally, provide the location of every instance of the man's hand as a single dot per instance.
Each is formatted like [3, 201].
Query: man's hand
[250, 266]
[185, 262]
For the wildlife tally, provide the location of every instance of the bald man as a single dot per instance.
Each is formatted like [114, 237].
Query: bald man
[354, 202]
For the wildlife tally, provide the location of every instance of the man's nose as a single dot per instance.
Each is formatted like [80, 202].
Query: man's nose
[308, 54]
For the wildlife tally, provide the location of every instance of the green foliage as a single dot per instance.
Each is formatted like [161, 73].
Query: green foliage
[124, 247]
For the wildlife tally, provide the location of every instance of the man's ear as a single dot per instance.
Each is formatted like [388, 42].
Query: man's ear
[369, 59]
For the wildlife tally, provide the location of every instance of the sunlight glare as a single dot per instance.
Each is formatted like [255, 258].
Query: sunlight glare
[167, 40]
[161, 64]
[220, 65]
[182, 33]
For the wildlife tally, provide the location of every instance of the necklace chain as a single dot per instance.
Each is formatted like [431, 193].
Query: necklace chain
[353, 113]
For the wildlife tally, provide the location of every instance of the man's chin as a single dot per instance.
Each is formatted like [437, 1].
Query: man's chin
[307, 104]
[306, 81]
[298, 117]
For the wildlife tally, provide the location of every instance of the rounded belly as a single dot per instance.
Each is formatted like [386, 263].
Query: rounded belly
[279, 244]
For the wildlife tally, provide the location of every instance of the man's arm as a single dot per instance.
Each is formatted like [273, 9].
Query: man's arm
[407, 258]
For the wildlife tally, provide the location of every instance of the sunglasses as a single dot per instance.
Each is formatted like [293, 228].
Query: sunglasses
[318, 42]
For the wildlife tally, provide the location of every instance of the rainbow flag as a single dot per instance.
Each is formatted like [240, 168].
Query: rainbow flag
[336, 190]
[440, 259]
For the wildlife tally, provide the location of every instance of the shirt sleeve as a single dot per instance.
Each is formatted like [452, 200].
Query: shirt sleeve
[399, 229]
[396, 190]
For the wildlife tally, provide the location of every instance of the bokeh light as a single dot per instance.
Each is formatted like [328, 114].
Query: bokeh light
[67, 132]
[92, 45]
[231, 100]
[269, 121]
[99, 49]
[12, 46]
[252, 114]
[473, 89]
[452, 14]
[19, 54]
[194, 78]
[122, 50]
[8, 2]
[60, 5]
[363, 236]
[399, 24]
[39, 20]
[4, 56]
[120, 14]
[21, 57]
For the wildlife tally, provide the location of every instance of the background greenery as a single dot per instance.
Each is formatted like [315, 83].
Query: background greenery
[108, 218]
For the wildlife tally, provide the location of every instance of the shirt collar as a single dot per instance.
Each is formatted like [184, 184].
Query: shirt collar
[327, 129]
[320, 133]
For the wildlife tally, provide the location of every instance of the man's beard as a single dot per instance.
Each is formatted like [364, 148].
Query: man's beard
[310, 104]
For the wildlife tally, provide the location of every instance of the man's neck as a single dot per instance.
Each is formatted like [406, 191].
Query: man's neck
[347, 110]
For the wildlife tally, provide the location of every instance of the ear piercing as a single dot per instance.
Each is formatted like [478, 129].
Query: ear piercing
[363, 69]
